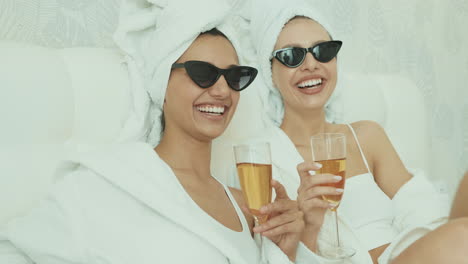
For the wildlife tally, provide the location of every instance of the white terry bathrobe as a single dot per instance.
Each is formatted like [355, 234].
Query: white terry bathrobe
[123, 206]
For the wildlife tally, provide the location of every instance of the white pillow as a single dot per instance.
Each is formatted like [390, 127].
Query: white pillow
[51, 103]
[36, 100]
[99, 80]
[362, 98]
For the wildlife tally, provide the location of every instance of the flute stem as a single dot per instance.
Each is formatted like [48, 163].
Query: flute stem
[337, 231]
[262, 252]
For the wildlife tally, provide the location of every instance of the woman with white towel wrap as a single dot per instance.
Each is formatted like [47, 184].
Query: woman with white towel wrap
[386, 207]
[156, 201]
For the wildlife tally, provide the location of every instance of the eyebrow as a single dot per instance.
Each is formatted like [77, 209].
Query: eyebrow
[290, 45]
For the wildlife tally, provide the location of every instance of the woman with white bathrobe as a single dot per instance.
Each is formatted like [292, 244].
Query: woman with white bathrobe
[156, 201]
[388, 212]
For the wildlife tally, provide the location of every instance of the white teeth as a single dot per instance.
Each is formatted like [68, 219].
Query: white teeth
[310, 83]
[219, 110]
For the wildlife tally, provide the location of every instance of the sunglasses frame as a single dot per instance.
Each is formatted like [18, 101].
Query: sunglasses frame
[305, 50]
[223, 72]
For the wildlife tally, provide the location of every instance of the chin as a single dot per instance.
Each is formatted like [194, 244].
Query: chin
[315, 103]
[210, 134]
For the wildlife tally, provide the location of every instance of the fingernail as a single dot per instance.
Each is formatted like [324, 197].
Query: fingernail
[331, 205]
[318, 165]
[339, 190]
[311, 172]
[337, 178]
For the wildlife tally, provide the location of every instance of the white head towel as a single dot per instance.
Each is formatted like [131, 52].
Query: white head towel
[267, 20]
[154, 34]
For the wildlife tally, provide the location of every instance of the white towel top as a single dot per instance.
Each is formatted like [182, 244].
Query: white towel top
[154, 34]
[267, 20]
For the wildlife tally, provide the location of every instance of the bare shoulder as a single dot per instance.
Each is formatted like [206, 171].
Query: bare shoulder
[372, 136]
[368, 128]
[388, 169]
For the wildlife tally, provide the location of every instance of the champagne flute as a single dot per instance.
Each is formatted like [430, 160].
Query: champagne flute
[329, 149]
[253, 163]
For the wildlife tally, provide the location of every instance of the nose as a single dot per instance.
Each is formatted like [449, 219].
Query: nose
[220, 89]
[310, 63]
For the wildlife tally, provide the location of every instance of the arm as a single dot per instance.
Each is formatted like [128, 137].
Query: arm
[416, 202]
[459, 208]
[389, 173]
[414, 197]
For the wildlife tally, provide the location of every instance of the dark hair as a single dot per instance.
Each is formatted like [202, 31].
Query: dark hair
[163, 123]
[214, 32]
[211, 32]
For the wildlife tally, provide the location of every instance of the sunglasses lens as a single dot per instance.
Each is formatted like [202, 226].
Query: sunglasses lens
[202, 73]
[239, 78]
[326, 51]
[291, 57]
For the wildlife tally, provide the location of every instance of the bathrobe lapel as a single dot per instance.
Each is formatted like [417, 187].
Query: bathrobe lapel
[285, 159]
[137, 170]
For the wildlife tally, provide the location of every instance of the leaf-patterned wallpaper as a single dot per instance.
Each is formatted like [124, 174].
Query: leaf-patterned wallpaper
[59, 23]
[423, 40]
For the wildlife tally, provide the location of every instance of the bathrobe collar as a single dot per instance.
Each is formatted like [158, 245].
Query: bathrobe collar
[137, 170]
[283, 152]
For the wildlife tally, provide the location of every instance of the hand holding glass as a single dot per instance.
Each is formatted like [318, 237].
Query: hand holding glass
[329, 149]
[254, 170]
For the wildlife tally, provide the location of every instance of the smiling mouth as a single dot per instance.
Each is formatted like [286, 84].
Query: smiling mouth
[212, 110]
[310, 84]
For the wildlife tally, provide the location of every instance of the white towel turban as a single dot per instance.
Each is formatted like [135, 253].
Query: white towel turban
[267, 20]
[154, 34]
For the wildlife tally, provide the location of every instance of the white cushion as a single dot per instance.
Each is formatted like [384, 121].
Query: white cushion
[405, 122]
[99, 81]
[52, 102]
[362, 98]
[36, 99]
[397, 105]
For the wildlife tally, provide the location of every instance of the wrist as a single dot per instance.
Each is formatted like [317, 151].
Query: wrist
[292, 256]
[291, 251]
[309, 237]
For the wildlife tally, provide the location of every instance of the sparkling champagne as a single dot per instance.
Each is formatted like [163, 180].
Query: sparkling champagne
[255, 180]
[335, 167]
